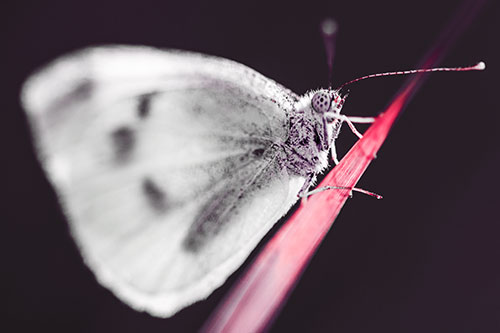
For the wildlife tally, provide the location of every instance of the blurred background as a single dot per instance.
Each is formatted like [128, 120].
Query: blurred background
[424, 259]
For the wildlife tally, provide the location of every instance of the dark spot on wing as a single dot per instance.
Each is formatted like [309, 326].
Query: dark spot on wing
[218, 212]
[144, 105]
[123, 141]
[258, 152]
[197, 109]
[82, 91]
[210, 220]
[154, 194]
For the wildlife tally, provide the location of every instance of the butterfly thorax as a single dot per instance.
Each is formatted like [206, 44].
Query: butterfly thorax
[310, 136]
[307, 145]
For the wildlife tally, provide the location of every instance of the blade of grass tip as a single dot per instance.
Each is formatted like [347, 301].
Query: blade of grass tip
[257, 297]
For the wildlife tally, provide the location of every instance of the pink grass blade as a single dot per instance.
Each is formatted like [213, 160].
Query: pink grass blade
[260, 293]
[257, 297]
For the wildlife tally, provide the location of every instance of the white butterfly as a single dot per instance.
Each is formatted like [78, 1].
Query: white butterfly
[171, 166]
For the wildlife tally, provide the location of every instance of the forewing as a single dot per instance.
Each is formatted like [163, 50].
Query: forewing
[165, 163]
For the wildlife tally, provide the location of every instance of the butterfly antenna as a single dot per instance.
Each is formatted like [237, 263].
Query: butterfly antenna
[478, 67]
[329, 28]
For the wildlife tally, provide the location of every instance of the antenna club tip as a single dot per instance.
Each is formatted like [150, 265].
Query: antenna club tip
[480, 66]
[329, 26]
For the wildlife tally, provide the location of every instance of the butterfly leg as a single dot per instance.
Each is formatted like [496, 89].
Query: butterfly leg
[360, 120]
[351, 120]
[333, 150]
[353, 128]
[303, 193]
[325, 188]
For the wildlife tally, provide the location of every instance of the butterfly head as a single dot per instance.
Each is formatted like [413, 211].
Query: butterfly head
[324, 107]
[328, 103]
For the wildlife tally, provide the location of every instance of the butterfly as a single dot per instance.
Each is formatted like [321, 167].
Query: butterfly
[171, 166]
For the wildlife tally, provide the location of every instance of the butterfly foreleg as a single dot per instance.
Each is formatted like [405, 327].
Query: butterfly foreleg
[351, 120]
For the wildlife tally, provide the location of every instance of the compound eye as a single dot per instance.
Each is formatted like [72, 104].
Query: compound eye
[321, 102]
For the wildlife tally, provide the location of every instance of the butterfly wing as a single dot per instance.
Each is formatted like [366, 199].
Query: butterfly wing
[166, 163]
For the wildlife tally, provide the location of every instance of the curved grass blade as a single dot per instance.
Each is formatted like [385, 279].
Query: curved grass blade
[257, 297]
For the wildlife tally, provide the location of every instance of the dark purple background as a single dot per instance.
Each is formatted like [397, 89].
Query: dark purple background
[424, 259]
